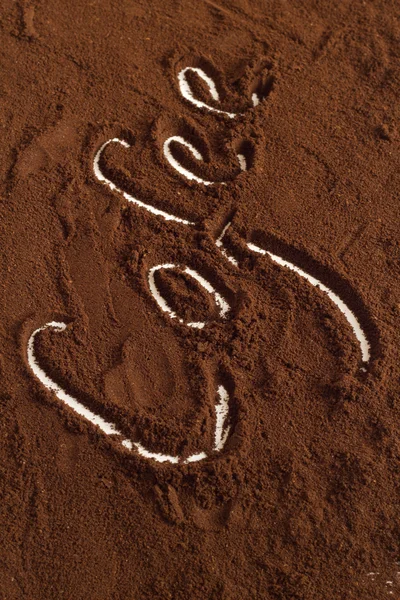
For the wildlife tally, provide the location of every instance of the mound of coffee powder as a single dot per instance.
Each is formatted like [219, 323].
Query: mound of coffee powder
[302, 501]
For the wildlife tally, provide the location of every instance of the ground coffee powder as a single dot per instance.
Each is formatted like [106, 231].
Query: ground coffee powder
[302, 502]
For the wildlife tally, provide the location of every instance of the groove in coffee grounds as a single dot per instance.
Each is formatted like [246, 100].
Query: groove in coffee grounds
[222, 425]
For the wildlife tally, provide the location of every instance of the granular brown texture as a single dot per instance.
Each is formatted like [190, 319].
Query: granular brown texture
[303, 501]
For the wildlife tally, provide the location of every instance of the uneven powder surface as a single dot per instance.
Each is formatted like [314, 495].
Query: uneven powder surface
[303, 501]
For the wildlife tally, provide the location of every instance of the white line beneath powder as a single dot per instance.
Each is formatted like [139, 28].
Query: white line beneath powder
[220, 245]
[162, 303]
[178, 139]
[48, 383]
[221, 409]
[101, 177]
[242, 162]
[176, 165]
[222, 412]
[187, 93]
[350, 316]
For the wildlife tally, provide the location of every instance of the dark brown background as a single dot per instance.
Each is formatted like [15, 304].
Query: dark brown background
[305, 501]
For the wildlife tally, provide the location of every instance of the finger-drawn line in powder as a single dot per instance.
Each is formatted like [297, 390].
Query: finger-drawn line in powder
[178, 139]
[101, 177]
[242, 162]
[187, 93]
[219, 244]
[222, 412]
[222, 426]
[350, 316]
[219, 300]
[48, 383]
[262, 84]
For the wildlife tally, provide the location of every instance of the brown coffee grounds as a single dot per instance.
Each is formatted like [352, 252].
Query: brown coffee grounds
[303, 500]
